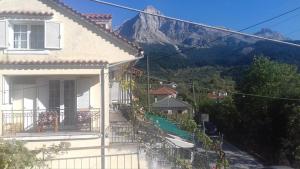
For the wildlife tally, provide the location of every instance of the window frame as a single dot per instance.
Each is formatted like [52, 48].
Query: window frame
[20, 40]
[11, 48]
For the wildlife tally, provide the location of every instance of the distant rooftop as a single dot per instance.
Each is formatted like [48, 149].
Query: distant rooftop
[163, 91]
[95, 16]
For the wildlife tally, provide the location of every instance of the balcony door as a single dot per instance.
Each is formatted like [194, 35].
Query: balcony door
[70, 102]
[54, 95]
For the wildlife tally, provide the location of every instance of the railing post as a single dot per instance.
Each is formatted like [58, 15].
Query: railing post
[1, 122]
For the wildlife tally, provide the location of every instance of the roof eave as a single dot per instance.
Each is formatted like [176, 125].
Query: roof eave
[138, 50]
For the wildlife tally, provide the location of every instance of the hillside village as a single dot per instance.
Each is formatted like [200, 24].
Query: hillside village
[156, 92]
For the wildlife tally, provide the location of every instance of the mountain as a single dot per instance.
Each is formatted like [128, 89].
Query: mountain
[150, 29]
[175, 45]
[268, 33]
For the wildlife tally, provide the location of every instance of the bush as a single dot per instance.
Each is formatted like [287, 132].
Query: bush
[14, 155]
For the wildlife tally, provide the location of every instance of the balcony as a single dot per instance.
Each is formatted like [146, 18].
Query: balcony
[57, 120]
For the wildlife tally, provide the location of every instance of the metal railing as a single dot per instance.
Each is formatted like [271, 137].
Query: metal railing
[122, 133]
[159, 148]
[117, 161]
[24, 121]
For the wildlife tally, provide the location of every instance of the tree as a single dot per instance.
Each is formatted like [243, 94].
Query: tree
[265, 120]
[14, 154]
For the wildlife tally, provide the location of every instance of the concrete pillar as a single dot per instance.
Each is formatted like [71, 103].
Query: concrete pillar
[104, 95]
[1, 106]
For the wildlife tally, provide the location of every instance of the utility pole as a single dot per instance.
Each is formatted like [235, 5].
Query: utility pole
[148, 83]
[194, 96]
[130, 94]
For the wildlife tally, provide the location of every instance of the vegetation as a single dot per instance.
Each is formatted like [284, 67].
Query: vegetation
[14, 154]
[268, 126]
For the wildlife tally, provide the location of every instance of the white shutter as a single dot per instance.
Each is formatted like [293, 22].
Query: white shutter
[52, 35]
[3, 33]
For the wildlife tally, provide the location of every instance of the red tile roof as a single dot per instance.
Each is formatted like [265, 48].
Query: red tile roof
[37, 13]
[215, 96]
[98, 16]
[163, 91]
[73, 11]
[45, 62]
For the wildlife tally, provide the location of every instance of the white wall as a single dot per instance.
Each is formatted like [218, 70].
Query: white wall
[42, 93]
[83, 93]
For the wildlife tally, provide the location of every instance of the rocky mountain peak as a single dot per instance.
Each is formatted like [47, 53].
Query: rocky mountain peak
[152, 9]
[268, 33]
[149, 29]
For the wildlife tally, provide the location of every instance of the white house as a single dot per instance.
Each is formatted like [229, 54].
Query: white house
[56, 65]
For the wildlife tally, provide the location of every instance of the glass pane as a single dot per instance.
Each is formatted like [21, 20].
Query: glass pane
[16, 44]
[16, 36]
[24, 36]
[20, 37]
[37, 37]
[16, 28]
[23, 44]
[23, 28]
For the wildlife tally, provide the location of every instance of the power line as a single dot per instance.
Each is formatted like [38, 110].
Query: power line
[204, 25]
[241, 30]
[235, 93]
[284, 20]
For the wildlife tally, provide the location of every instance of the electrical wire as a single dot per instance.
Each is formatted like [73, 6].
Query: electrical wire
[232, 92]
[204, 25]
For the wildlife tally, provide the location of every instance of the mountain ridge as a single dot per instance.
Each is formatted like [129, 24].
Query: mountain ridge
[175, 45]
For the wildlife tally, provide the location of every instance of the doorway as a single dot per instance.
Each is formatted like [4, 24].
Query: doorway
[70, 102]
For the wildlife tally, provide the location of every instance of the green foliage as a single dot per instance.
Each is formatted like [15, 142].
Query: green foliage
[224, 113]
[49, 152]
[270, 126]
[13, 155]
[187, 123]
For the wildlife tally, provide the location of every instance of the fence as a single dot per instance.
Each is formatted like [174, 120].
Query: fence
[159, 148]
[20, 121]
[118, 161]
[122, 133]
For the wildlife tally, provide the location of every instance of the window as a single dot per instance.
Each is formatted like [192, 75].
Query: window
[37, 37]
[20, 37]
[28, 36]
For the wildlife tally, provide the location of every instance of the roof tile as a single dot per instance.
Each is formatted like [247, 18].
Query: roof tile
[163, 91]
[37, 13]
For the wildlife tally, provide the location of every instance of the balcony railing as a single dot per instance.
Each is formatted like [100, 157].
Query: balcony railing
[165, 152]
[20, 121]
[116, 161]
[122, 133]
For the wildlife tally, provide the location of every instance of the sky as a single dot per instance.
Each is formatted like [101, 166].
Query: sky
[232, 14]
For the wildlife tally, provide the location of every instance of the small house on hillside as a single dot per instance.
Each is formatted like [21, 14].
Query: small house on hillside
[220, 95]
[162, 93]
[171, 85]
[170, 105]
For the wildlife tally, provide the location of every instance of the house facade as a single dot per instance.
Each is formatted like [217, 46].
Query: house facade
[57, 67]
[55, 60]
